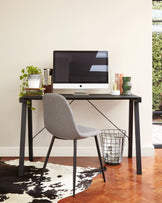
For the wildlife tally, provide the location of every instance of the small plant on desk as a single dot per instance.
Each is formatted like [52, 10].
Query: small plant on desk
[26, 73]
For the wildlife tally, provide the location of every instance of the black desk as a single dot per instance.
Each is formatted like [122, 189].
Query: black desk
[133, 101]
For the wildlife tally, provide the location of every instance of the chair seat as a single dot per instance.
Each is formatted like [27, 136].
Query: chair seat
[87, 132]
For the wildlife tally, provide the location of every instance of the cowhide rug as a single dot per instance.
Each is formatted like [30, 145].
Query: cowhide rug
[56, 183]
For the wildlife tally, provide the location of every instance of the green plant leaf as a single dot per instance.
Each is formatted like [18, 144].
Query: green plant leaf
[157, 70]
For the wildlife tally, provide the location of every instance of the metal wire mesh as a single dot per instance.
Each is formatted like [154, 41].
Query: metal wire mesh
[112, 142]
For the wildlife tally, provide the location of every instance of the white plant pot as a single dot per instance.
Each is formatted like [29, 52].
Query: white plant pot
[34, 81]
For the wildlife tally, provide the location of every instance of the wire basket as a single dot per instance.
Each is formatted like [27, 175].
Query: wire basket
[112, 142]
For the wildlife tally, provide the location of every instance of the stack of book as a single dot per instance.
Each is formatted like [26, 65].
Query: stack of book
[34, 91]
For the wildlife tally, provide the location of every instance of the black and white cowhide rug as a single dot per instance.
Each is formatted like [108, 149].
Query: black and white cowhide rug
[56, 183]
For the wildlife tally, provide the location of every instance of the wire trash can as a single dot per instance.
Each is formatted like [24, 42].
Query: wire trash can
[112, 143]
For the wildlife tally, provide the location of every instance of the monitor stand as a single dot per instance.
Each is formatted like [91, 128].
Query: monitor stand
[80, 92]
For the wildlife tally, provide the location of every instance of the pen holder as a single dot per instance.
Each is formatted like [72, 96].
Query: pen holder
[48, 88]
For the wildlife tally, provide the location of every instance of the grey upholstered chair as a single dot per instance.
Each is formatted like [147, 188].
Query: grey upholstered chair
[59, 121]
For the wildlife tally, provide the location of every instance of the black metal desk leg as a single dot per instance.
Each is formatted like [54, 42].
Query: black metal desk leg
[130, 130]
[22, 139]
[30, 132]
[137, 136]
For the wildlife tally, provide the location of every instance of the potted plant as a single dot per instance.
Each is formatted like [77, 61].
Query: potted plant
[30, 77]
[31, 82]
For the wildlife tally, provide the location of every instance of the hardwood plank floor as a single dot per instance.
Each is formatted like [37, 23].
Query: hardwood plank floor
[122, 183]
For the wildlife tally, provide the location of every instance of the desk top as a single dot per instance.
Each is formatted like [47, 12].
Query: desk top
[89, 97]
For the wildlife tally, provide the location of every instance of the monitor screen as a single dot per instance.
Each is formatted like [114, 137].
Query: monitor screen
[80, 69]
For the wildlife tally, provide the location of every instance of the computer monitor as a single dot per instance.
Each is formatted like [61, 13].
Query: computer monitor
[80, 70]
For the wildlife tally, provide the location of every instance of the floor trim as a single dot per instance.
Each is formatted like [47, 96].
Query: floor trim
[157, 146]
[147, 150]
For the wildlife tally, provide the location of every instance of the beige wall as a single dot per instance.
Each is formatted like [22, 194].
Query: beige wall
[31, 29]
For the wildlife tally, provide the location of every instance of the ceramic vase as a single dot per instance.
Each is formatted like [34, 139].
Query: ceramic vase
[126, 86]
[34, 81]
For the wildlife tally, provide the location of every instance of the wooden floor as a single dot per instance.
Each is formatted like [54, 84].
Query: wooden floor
[122, 183]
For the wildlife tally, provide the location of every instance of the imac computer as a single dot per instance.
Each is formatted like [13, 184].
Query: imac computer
[80, 70]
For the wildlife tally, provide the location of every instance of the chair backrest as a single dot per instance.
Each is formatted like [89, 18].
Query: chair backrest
[58, 117]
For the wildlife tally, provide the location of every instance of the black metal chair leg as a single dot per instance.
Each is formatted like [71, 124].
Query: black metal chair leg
[74, 166]
[46, 160]
[99, 156]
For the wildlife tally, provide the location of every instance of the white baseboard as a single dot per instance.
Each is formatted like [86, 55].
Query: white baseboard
[42, 151]
[66, 151]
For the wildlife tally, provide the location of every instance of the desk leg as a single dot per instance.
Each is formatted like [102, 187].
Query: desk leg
[137, 136]
[130, 132]
[30, 132]
[22, 139]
